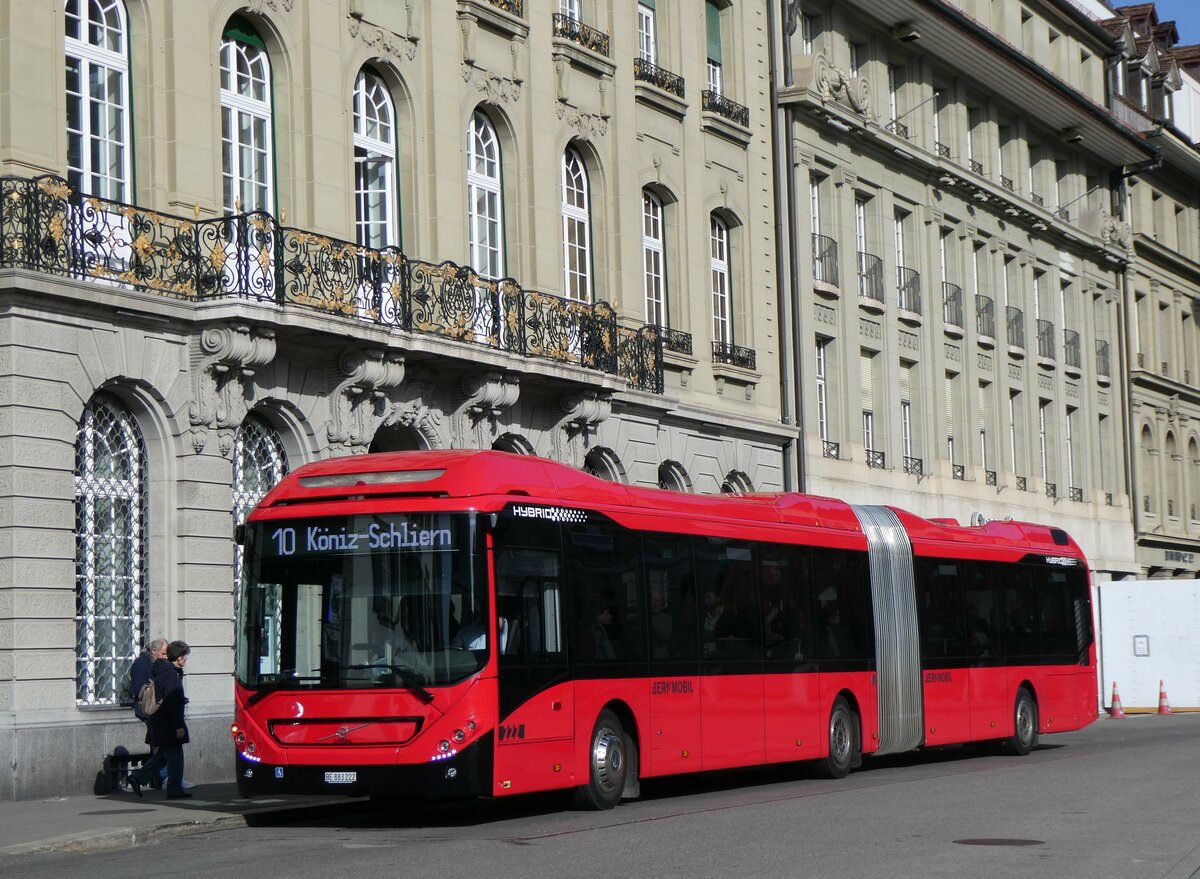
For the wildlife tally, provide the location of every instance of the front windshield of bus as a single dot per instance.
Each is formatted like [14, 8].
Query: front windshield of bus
[363, 602]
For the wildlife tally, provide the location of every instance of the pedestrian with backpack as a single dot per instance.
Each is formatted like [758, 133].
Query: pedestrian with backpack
[167, 727]
[145, 703]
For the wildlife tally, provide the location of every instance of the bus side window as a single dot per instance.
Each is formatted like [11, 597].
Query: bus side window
[606, 578]
[1023, 634]
[528, 585]
[940, 598]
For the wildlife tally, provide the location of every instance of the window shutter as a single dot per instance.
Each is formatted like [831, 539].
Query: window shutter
[649, 4]
[868, 395]
[713, 21]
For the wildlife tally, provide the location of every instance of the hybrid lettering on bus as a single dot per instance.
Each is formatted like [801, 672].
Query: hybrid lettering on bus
[458, 623]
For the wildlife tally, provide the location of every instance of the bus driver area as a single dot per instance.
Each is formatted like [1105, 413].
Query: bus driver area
[459, 623]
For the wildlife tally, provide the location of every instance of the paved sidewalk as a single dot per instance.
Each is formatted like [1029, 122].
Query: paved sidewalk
[121, 820]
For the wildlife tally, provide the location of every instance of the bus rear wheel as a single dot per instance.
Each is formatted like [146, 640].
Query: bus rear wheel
[608, 765]
[844, 742]
[1025, 725]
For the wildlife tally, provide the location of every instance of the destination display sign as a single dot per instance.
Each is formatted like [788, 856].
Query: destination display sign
[360, 534]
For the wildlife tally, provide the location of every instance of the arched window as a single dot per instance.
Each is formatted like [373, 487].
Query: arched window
[246, 150]
[721, 295]
[654, 279]
[98, 161]
[485, 219]
[673, 477]
[110, 551]
[736, 482]
[259, 462]
[374, 162]
[577, 229]
[604, 464]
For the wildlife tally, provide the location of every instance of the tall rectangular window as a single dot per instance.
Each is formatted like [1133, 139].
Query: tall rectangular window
[647, 32]
[1070, 446]
[906, 443]
[1014, 428]
[97, 98]
[712, 21]
[654, 281]
[719, 270]
[822, 388]
[1043, 449]
[246, 148]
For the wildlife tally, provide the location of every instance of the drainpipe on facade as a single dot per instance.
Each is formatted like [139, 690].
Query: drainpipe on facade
[790, 394]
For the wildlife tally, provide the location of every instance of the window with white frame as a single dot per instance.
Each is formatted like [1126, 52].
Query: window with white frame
[647, 32]
[718, 237]
[653, 251]
[1070, 445]
[1043, 440]
[906, 442]
[571, 9]
[246, 149]
[822, 388]
[111, 539]
[97, 96]
[712, 20]
[374, 162]
[577, 228]
[808, 33]
[485, 220]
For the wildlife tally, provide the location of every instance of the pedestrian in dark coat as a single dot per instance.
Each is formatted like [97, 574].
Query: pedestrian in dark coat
[168, 730]
[139, 675]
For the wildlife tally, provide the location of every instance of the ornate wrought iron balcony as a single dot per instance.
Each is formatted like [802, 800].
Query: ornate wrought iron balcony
[914, 466]
[1022, 484]
[975, 166]
[1016, 326]
[577, 32]
[897, 128]
[942, 149]
[989, 477]
[875, 459]
[1007, 183]
[825, 259]
[985, 316]
[736, 355]
[1037, 200]
[952, 307]
[676, 340]
[1076, 494]
[1052, 490]
[870, 276]
[959, 471]
[1072, 350]
[715, 102]
[644, 71]
[516, 7]
[831, 449]
[908, 289]
[1045, 337]
[47, 227]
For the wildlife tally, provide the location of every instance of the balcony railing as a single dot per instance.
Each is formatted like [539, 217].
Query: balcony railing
[1076, 494]
[870, 276]
[831, 449]
[1045, 339]
[1037, 200]
[825, 259]
[952, 305]
[975, 166]
[942, 149]
[914, 466]
[875, 459]
[908, 289]
[989, 477]
[715, 102]
[735, 355]
[1052, 490]
[577, 32]
[1072, 350]
[985, 316]
[897, 128]
[1108, 499]
[516, 7]
[1102, 367]
[45, 226]
[1007, 183]
[644, 71]
[676, 340]
[1016, 326]
[958, 471]
[1022, 484]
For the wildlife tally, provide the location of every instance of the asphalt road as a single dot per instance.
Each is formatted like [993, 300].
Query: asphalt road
[1120, 799]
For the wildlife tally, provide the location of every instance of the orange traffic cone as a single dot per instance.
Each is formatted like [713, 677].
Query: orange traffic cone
[1116, 711]
[1163, 707]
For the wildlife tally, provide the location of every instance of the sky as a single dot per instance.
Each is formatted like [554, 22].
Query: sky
[1186, 14]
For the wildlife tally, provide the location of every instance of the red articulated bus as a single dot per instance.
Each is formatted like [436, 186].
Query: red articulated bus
[476, 623]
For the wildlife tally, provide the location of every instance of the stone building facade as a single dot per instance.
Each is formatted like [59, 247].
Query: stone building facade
[241, 236]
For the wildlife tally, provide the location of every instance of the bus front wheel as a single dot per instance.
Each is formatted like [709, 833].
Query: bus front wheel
[1025, 724]
[844, 742]
[608, 765]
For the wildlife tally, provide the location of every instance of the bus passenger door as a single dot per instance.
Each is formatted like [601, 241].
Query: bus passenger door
[673, 740]
[534, 744]
[945, 678]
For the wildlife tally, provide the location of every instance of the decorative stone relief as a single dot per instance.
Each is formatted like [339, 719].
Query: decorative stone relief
[485, 396]
[495, 89]
[953, 353]
[824, 314]
[1045, 383]
[833, 84]
[910, 341]
[869, 328]
[1014, 372]
[1115, 231]
[582, 413]
[387, 43]
[224, 358]
[985, 362]
[589, 125]
[1072, 390]
[358, 404]
[258, 6]
[1102, 398]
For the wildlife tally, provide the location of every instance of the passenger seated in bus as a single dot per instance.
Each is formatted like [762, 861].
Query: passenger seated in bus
[713, 611]
[839, 642]
[979, 642]
[471, 634]
[595, 645]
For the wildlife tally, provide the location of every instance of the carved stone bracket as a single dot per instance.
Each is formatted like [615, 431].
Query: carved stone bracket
[1115, 231]
[582, 413]
[485, 397]
[259, 6]
[834, 84]
[387, 43]
[224, 358]
[359, 401]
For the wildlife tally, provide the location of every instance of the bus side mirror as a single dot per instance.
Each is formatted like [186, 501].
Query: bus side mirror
[239, 534]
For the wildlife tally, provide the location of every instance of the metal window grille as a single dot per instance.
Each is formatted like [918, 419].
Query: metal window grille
[110, 552]
[259, 462]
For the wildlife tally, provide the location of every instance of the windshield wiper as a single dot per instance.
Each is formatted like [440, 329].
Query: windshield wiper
[406, 675]
[278, 684]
